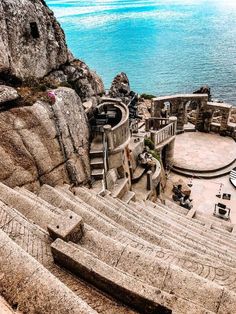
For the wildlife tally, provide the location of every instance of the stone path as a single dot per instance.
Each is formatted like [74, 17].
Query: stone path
[203, 151]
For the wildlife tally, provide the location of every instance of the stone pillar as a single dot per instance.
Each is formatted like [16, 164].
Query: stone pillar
[173, 119]
[149, 180]
[181, 115]
[107, 130]
[200, 119]
[156, 108]
[224, 121]
[170, 151]
[153, 137]
[147, 125]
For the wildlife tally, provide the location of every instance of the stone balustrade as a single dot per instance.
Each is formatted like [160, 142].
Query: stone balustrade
[162, 135]
[119, 135]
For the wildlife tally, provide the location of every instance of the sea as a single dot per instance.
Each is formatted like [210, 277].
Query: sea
[165, 47]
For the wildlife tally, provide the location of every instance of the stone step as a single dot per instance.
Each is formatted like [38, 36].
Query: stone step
[128, 196]
[120, 188]
[205, 175]
[202, 226]
[210, 222]
[42, 291]
[28, 207]
[36, 242]
[96, 153]
[110, 250]
[125, 287]
[202, 219]
[102, 223]
[172, 228]
[97, 163]
[157, 236]
[39, 200]
[97, 174]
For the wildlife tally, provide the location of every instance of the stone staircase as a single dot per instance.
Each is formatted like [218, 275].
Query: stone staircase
[96, 158]
[155, 258]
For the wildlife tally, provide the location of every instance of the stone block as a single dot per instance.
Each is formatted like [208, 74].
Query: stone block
[68, 227]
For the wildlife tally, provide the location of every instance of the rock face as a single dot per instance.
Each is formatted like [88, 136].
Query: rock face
[7, 94]
[204, 90]
[31, 41]
[85, 82]
[32, 45]
[45, 143]
[120, 86]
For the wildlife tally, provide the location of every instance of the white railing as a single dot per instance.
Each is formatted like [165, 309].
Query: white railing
[164, 134]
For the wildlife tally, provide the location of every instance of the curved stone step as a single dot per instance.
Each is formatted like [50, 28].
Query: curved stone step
[193, 263]
[146, 298]
[205, 175]
[30, 208]
[159, 237]
[158, 215]
[36, 242]
[171, 229]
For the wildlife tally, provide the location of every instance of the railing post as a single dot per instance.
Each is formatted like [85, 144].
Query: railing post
[173, 120]
[149, 180]
[107, 130]
[147, 125]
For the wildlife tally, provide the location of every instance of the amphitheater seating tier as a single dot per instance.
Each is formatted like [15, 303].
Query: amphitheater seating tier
[151, 257]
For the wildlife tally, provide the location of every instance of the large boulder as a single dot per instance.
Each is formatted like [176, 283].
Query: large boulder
[120, 86]
[45, 143]
[204, 90]
[33, 48]
[31, 40]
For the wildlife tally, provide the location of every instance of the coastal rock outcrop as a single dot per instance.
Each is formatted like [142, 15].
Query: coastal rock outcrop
[120, 86]
[33, 46]
[31, 40]
[45, 143]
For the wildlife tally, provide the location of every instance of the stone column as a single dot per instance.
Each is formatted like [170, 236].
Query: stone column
[153, 137]
[156, 108]
[107, 130]
[173, 119]
[147, 125]
[149, 180]
[224, 121]
[170, 151]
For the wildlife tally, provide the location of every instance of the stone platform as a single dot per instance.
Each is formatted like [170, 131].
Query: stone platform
[203, 152]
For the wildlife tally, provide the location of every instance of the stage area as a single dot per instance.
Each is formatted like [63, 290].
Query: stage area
[195, 151]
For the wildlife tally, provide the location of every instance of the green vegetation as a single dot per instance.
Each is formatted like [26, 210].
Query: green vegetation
[149, 143]
[155, 155]
[147, 96]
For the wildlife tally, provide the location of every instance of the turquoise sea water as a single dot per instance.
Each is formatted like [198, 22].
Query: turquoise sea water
[165, 47]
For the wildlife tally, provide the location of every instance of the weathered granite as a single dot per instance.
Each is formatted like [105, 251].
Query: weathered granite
[68, 226]
[36, 44]
[120, 86]
[44, 143]
[30, 288]
[7, 94]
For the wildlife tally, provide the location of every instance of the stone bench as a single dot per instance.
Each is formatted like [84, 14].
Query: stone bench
[28, 286]
[133, 291]
[198, 262]
[155, 234]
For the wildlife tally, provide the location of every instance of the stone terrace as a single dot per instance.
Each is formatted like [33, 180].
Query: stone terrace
[155, 258]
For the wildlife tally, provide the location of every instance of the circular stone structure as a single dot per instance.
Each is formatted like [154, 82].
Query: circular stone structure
[202, 152]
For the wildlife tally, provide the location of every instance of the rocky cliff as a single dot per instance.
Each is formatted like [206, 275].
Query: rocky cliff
[41, 142]
[45, 143]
